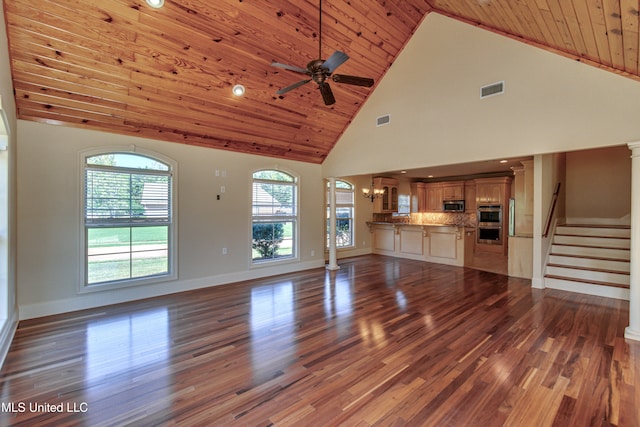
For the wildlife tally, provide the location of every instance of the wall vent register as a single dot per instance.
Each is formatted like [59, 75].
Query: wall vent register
[492, 90]
[383, 120]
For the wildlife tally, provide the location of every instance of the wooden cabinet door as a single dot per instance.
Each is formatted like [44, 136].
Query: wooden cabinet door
[454, 191]
[489, 194]
[389, 201]
[434, 198]
[470, 196]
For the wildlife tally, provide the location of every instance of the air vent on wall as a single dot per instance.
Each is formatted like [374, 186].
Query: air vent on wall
[383, 120]
[491, 90]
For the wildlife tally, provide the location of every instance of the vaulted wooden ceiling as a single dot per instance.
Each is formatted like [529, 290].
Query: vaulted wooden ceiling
[120, 66]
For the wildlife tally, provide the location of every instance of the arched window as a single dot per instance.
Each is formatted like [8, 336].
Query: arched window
[274, 216]
[344, 214]
[128, 219]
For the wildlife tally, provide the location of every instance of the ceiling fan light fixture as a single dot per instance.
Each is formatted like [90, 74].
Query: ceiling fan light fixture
[238, 90]
[156, 4]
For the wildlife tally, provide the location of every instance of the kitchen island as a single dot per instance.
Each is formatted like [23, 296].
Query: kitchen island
[439, 243]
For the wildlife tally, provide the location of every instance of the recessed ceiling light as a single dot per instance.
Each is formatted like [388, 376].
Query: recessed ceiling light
[504, 161]
[156, 4]
[238, 90]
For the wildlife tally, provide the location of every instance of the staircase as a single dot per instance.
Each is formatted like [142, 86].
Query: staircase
[590, 259]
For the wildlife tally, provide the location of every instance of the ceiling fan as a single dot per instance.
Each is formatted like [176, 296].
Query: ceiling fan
[320, 70]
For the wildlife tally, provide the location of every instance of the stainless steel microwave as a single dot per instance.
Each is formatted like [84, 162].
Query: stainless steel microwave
[453, 206]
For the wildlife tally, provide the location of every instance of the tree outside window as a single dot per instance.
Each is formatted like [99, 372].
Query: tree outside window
[344, 214]
[127, 218]
[274, 216]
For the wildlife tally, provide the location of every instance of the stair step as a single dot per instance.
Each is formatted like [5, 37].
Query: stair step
[595, 263]
[594, 230]
[590, 282]
[601, 277]
[587, 287]
[601, 242]
[591, 251]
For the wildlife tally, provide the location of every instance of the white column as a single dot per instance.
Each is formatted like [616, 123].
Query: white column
[333, 261]
[633, 330]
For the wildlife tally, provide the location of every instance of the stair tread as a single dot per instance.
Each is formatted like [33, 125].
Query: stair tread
[594, 236]
[616, 226]
[591, 246]
[591, 282]
[594, 269]
[595, 258]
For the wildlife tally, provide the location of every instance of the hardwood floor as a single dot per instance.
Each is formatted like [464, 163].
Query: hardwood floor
[380, 342]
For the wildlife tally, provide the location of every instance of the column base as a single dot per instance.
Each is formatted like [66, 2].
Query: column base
[631, 334]
[332, 267]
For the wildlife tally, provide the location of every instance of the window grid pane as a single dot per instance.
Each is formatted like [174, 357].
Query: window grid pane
[274, 210]
[344, 215]
[127, 217]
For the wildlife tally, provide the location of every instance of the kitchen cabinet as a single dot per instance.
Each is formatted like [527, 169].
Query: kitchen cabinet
[453, 190]
[434, 197]
[494, 192]
[470, 196]
[418, 197]
[490, 192]
[438, 243]
[388, 203]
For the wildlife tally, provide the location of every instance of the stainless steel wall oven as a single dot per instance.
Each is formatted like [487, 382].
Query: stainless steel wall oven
[490, 214]
[489, 229]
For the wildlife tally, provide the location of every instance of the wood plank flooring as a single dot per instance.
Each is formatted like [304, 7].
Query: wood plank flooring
[380, 342]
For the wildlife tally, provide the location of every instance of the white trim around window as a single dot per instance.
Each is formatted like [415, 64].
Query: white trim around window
[275, 210]
[111, 222]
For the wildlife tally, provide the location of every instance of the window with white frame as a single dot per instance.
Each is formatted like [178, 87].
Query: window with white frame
[344, 214]
[128, 219]
[274, 216]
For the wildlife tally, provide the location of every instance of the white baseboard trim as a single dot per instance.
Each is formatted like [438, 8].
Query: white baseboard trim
[100, 299]
[6, 335]
[630, 334]
[537, 283]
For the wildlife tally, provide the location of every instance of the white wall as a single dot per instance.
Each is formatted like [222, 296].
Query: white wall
[49, 188]
[8, 310]
[551, 104]
[599, 183]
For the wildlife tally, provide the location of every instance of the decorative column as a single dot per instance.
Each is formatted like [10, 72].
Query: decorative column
[333, 261]
[632, 331]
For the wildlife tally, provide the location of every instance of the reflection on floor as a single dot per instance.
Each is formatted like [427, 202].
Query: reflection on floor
[495, 263]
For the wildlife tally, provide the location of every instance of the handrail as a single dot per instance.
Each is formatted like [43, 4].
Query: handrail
[552, 208]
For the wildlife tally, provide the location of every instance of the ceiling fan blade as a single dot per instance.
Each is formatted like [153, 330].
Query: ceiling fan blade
[334, 61]
[352, 80]
[327, 94]
[293, 86]
[290, 67]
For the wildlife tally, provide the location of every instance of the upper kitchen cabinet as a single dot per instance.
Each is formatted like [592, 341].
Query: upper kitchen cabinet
[470, 196]
[492, 191]
[434, 197]
[453, 190]
[388, 203]
[418, 197]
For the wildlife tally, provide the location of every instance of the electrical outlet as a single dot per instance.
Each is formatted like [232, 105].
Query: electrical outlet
[224, 251]
[313, 253]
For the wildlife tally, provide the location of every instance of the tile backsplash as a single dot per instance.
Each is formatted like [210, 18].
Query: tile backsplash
[448, 218]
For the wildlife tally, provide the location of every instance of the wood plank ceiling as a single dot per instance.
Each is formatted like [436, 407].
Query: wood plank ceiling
[120, 66]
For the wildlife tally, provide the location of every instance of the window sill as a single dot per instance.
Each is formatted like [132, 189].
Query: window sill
[122, 284]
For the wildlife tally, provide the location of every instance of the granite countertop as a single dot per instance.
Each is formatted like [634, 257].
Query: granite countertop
[411, 224]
